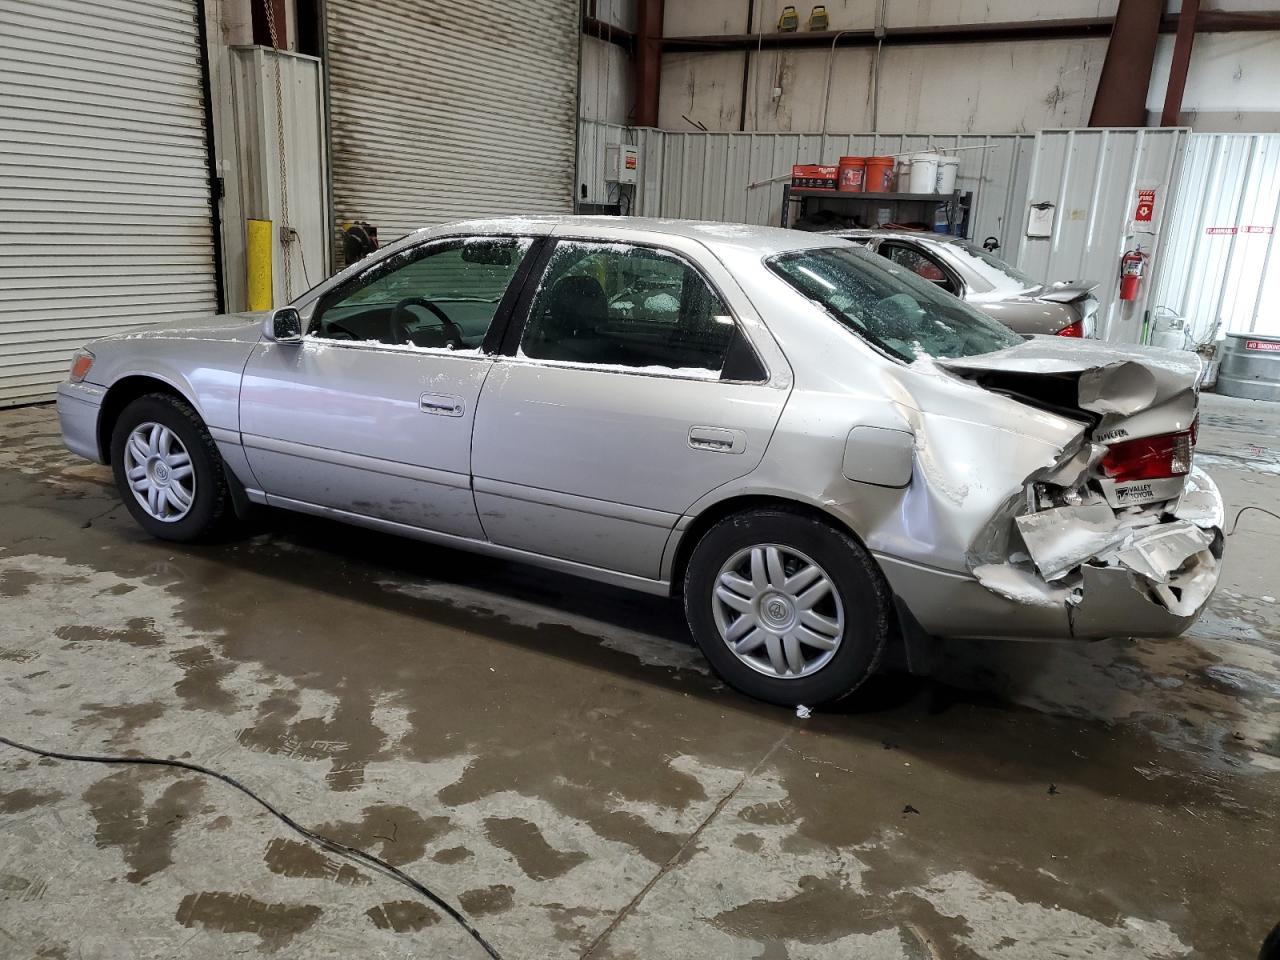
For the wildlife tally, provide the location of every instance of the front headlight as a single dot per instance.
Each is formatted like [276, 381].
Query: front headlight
[81, 363]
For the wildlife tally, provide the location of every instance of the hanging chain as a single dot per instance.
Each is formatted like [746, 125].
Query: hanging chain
[287, 234]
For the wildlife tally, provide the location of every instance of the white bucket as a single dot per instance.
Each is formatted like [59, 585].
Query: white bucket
[924, 173]
[948, 171]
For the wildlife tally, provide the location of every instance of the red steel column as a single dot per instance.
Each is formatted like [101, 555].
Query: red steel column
[647, 61]
[1121, 100]
[1181, 62]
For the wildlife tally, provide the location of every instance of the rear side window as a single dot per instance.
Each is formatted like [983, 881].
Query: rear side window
[890, 306]
[918, 262]
[618, 305]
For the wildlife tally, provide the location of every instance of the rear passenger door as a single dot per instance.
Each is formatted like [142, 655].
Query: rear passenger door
[629, 392]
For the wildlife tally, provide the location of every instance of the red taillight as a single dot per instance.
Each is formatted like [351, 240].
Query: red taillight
[1072, 330]
[1151, 458]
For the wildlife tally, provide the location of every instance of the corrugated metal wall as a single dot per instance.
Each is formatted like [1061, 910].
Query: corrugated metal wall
[1221, 264]
[439, 114]
[105, 214]
[732, 176]
[1092, 178]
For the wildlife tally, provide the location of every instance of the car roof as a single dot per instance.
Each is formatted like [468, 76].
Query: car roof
[871, 233]
[763, 240]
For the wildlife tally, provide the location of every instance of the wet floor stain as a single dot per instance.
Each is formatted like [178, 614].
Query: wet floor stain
[824, 909]
[524, 841]
[14, 583]
[402, 916]
[202, 686]
[450, 855]
[497, 898]
[275, 924]
[296, 858]
[143, 832]
[123, 720]
[396, 833]
[138, 632]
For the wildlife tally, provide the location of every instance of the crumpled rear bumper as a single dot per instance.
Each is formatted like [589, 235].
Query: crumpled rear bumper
[1154, 581]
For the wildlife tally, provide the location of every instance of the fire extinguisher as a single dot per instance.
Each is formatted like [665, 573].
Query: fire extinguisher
[1132, 264]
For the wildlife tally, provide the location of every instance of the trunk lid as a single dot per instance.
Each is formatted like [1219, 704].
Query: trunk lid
[1121, 393]
[1065, 291]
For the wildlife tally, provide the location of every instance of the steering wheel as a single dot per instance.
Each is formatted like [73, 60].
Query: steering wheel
[400, 318]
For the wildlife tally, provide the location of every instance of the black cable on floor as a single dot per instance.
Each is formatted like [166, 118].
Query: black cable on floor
[333, 846]
[1236, 521]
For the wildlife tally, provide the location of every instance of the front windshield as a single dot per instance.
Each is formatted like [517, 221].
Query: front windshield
[990, 267]
[889, 306]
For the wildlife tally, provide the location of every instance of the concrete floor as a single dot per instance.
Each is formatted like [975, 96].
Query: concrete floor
[553, 756]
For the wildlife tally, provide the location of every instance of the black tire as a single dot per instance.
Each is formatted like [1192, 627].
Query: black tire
[211, 507]
[864, 596]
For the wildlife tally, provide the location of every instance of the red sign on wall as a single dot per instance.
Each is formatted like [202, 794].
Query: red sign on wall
[1269, 346]
[1223, 230]
[1146, 206]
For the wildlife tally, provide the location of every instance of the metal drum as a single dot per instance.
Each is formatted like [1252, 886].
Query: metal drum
[1250, 366]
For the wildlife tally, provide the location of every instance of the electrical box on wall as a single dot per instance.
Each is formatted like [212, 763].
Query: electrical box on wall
[621, 163]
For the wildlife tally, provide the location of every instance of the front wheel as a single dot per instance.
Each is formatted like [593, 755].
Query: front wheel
[168, 470]
[787, 607]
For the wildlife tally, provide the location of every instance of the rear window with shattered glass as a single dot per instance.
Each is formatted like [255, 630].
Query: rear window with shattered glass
[889, 306]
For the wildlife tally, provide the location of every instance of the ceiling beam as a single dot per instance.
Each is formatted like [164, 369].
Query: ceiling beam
[1209, 21]
[1180, 63]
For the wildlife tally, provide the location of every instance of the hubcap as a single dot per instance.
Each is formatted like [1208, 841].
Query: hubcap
[159, 471]
[778, 611]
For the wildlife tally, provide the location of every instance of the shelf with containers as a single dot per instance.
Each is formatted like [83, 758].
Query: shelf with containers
[941, 212]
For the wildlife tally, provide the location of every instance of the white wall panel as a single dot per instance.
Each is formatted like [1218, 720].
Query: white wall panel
[105, 216]
[1092, 178]
[1221, 266]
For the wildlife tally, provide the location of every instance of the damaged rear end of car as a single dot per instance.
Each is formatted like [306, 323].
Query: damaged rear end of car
[1121, 530]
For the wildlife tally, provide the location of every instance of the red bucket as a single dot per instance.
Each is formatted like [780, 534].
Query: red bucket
[853, 174]
[879, 177]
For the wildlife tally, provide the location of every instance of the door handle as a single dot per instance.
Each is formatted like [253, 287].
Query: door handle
[717, 439]
[441, 404]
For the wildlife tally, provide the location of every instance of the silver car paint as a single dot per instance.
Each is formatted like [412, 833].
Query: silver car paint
[1040, 309]
[974, 450]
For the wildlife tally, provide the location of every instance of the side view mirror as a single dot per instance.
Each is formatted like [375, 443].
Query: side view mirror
[283, 325]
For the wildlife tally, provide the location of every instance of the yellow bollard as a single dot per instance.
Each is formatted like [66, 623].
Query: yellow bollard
[258, 264]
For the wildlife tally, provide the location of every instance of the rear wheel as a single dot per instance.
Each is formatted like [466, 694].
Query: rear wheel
[168, 470]
[786, 607]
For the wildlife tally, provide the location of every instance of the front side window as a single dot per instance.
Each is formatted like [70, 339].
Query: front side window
[889, 305]
[443, 295]
[617, 305]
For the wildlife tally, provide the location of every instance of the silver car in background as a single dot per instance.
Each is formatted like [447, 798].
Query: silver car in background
[983, 280]
[818, 451]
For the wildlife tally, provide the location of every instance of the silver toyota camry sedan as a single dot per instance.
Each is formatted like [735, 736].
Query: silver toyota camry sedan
[817, 450]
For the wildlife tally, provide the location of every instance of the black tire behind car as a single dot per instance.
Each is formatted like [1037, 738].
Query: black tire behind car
[863, 594]
[211, 506]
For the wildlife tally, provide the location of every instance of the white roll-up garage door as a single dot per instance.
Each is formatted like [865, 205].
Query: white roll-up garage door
[105, 219]
[444, 111]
